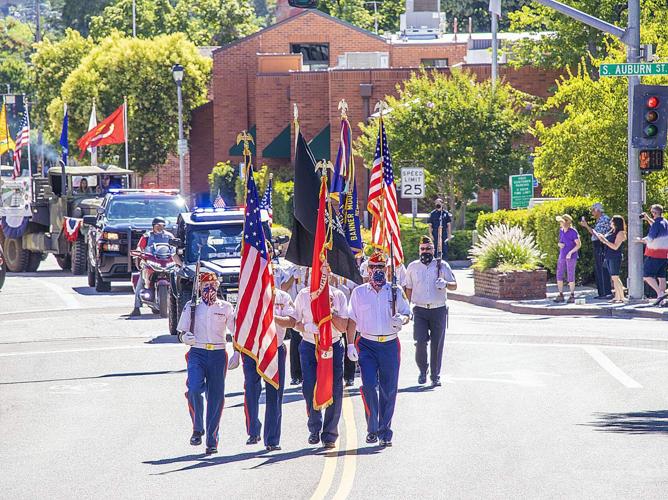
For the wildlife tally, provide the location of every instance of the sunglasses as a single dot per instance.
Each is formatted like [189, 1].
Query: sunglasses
[376, 266]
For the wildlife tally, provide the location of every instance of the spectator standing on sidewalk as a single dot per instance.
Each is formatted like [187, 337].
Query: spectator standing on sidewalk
[612, 242]
[656, 253]
[602, 226]
[569, 244]
[440, 220]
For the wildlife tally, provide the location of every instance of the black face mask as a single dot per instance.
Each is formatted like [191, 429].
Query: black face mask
[438, 207]
[426, 258]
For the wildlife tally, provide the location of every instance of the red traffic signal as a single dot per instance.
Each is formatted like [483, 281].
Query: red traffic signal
[650, 117]
[653, 102]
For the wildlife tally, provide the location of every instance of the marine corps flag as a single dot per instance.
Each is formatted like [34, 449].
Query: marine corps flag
[300, 250]
[111, 130]
[320, 307]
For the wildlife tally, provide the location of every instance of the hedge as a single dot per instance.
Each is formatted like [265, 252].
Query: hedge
[508, 217]
[458, 248]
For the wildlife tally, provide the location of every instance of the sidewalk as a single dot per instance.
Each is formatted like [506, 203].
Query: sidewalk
[592, 307]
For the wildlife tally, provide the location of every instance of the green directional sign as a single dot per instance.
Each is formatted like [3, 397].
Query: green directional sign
[521, 190]
[633, 69]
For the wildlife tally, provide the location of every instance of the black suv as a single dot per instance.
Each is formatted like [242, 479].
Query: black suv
[125, 215]
[213, 235]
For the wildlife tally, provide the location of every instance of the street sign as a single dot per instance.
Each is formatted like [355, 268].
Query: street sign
[412, 182]
[182, 146]
[633, 69]
[521, 190]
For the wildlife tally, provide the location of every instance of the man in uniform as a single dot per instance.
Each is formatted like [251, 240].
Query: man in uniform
[206, 359]
[156, 235]
[291, 279]
[378, 348]
[426, 282]
[319, 429]
[283, 318]
[440, 219]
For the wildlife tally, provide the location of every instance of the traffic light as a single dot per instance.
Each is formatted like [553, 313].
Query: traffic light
[303, 4]
[650, 117]
[650, 160]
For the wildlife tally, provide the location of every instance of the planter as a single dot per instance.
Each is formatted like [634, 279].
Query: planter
[513, 285]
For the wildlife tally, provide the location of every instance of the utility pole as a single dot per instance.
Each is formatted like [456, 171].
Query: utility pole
[375, 14]
[134, 19]
[495, 12]
[38, 115]
[631, 38]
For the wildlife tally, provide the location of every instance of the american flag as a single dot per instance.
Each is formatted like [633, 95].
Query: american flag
[219, 202]
[265, 202]
[382, 202]
[22, 139]
[255, 333]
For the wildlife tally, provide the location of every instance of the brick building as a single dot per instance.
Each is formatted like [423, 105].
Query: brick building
[313, 60]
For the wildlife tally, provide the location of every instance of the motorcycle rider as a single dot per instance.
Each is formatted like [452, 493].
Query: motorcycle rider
[150, 238]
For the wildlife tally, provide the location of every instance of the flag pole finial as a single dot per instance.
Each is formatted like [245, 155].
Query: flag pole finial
[247, 139]
[323, 165]
[381, 107]
[343, 107]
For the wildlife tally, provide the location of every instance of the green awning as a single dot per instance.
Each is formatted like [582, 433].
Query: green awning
[280, 146]
[238, 149]
[320, 145]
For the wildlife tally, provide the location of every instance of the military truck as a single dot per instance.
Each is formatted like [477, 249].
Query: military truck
[43, 202]
[213, 236]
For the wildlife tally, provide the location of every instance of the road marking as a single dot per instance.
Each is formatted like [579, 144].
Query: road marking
[607, 364]
[569, 346]
[327, 476]
[526, 383]
[350, 459]
[87, 349]
[69, 299]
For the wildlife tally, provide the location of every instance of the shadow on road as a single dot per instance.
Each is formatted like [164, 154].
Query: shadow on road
[164, 339]
[643, 422]
[88, 291]
[108, 375]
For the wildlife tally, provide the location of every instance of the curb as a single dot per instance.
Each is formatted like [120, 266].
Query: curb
[518, 308]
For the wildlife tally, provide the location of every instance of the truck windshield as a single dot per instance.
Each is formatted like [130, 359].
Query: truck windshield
[143, 211]
[216, 243]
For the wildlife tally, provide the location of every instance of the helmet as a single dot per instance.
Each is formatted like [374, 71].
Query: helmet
[158, 220]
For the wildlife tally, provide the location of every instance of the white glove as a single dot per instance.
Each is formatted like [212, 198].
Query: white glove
[352, 352]
[188, 338]
[234, 361]
[397, 321]
[441, 284]
[311, 329]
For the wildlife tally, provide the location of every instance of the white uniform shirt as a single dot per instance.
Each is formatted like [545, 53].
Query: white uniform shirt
[400, 271]
[283, 306]
[421, 280]
[304, 315]
[364, 269]
[372, 311]
[289, 270]
[211, 322]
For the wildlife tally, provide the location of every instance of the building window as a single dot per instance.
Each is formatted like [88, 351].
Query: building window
[434, 63]
[316, 55]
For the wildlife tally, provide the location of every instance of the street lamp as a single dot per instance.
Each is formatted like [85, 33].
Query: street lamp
[182, 146]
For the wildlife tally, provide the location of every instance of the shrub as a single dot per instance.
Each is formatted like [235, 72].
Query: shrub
[506, 248]
[410, 237]
[460, 245]
[222, 179]
[473, 210]
[519, 218]
[282, 202]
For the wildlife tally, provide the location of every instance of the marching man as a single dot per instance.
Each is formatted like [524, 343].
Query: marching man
[427, 282]
[326, 430]
[283, 313]
[203, 328]
[378, 349]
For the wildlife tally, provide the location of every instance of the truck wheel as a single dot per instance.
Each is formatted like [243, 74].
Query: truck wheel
[34, 260]
[173, 313]
[78, 254]
[64, 262]
[16, 258]
[91, 277]
[163, 300]
[100, 284]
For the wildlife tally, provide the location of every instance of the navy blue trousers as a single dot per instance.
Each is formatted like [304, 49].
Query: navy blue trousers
[206, 374]
[273, 411]
[329, 426]
[379, 366]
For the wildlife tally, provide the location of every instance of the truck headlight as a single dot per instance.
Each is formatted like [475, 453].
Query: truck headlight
[111, 247]
[110, 236]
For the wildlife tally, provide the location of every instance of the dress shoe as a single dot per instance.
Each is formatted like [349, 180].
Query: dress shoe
[196, 438]
[371, 438]
[273, 447]
[385, 443]
[328, 445]
[135, 312]
[314, 438]
[422, 378]
[349, 382]
[436, 382]
[253, 440]
[211, 450]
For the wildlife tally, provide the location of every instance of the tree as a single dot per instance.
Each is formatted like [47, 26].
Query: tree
[478, 11]
[15, 45]
[352, 11]
[222, 180]
[585, 153]
[141, 70]
[152, 18]
[466, 134]
[77, 14]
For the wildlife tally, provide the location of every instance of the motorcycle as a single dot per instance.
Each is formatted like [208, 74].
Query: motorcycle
[156, 264]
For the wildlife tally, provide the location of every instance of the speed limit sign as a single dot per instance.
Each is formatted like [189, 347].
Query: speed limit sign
[412, 182]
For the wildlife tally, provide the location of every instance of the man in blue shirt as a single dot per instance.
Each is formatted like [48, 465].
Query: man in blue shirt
[602, 226]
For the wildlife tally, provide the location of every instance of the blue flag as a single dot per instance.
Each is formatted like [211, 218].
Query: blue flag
[63, 138]
[351, 221]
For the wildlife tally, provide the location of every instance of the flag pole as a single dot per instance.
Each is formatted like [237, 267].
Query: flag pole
[125, 129]
[25, 103]
[4, 107]
[93, 151]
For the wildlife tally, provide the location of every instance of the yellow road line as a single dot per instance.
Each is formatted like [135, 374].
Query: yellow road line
[327, 476]
[350, 459]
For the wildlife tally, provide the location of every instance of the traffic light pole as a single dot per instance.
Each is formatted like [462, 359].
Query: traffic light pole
[631, 38]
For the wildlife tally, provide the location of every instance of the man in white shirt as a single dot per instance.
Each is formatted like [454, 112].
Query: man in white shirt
[321, 429]
[283, 318]
[206, 359]
[378, 349]
[427, 282]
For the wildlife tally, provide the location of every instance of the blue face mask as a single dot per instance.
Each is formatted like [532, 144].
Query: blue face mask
[378, 277]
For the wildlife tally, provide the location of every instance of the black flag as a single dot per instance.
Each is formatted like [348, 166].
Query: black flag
[300, 249]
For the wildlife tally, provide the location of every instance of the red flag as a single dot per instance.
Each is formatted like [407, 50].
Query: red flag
[321, 309]
[111, 130]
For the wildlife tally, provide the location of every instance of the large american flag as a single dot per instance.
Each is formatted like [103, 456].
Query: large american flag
[219, 202]
[265, 202]
[382, 202]
[255, 333]
[22, 139]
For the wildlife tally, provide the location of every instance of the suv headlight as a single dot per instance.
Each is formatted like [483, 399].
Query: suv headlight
[110, 236]
[111, 247]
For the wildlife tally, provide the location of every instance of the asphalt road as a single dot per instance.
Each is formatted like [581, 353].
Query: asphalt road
[92, 405]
